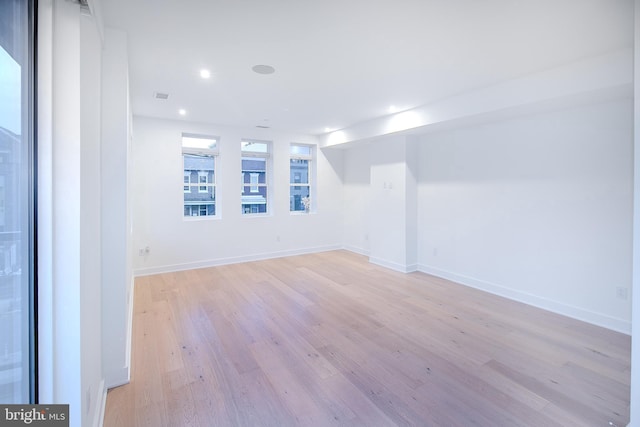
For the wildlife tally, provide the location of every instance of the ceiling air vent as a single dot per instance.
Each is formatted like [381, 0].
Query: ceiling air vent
[160, 95]
[262, 127]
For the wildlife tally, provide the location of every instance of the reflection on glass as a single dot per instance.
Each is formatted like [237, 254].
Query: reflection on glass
[199, 185]
[14, 205]
[254, 185]
[299, 180]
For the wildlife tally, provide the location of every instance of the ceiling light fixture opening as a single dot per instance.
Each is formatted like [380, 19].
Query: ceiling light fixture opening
[205, 74]
[263, 69]
[182, 112]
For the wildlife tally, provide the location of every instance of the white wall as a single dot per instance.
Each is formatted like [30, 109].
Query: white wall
[46, 347]
[537, 209]
[116, 235]
[90, 232]
[68, 218]
[392, 208]
[387, 211]
[357, 199]
[635, 340]
[177, 243]
[67, 320]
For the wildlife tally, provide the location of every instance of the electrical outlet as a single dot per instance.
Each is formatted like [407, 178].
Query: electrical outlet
[144, 251]
[622, 292]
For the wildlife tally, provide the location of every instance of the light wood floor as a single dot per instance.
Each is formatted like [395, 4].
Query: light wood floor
[329, 339]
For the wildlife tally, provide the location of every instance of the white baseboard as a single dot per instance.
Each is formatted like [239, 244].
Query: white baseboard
[598, 319]
[121, 377]
[231, 260]
[356, 250]
[101, 397]
[393, 265]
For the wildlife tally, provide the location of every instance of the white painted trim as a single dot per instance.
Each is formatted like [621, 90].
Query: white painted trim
[123, 375]
[101, 397]
[117, 378]
[130, 329]
[356, 250]
[634, 408]
[578, 313]
[393, 265]
[45, 202]
[231, 260]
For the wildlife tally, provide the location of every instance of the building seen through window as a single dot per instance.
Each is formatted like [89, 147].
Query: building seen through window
[199, 155]
[255, 184]
[300, 162]
[17, 174]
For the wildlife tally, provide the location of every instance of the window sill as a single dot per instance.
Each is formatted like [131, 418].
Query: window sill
[200, 218]
[255, 215]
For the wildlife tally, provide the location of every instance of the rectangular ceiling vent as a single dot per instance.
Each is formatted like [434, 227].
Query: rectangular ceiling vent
[160, 95]
[262, 127]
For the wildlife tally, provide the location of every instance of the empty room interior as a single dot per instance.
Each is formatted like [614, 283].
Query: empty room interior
[392, 213]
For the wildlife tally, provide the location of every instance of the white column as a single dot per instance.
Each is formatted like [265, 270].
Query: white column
[116, 259]
[45, 202]
[635, 308]
[393, 209]
[65, 210]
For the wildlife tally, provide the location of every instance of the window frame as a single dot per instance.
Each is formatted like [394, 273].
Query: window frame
[204, 175]
[254, 187]
[187, 182]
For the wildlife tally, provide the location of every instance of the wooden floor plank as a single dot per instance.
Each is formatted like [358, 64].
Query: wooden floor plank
[331, 339]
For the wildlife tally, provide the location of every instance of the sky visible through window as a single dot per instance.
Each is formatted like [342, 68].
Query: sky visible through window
[10, 84]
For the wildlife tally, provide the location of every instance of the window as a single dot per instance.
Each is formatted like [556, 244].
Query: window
[17, 194]
[199, 154]
[300, 170]
[202, 182]
[187, 181]
[255, 179]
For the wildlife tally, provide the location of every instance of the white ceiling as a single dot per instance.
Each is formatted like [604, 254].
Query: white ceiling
[341, 62]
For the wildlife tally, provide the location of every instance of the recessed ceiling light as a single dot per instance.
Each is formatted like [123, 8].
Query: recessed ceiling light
[205, 74]
[182, 112]
[263, 69]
